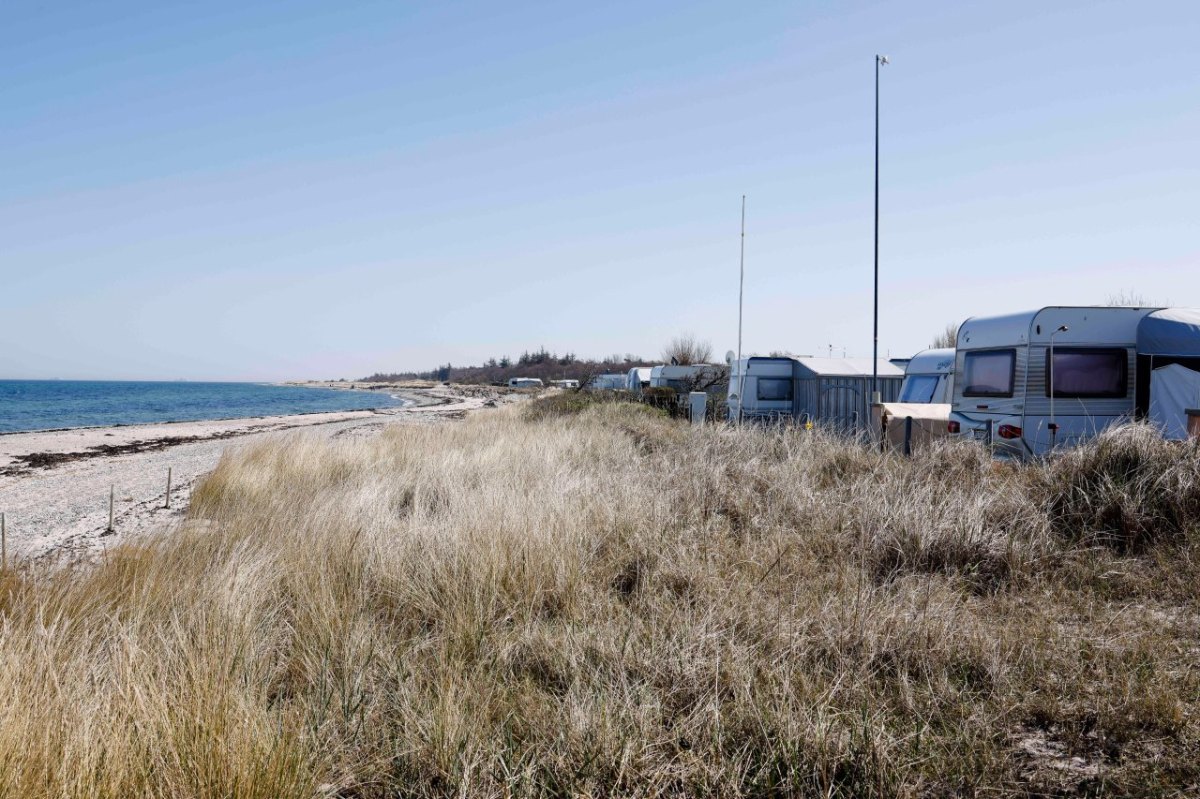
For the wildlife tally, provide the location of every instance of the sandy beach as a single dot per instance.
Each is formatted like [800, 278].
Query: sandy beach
[54, 485]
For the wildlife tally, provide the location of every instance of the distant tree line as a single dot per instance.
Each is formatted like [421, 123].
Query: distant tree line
[541, 363]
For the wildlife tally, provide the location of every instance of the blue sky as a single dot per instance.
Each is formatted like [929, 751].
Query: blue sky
[261, 190]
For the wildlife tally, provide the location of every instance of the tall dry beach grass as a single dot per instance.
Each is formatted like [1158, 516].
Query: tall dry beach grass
[577, 599]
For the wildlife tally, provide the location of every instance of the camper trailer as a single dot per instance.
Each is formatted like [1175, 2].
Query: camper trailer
[929, 377]
[637, 379]
[768, 386]
[694, 377]
[565, 383]
[1057, 376]
[524, 382]
[831, 392]
[919, 416]
[606, 382]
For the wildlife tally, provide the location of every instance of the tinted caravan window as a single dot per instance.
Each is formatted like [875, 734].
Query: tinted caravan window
[918, 388]
[989, 373]
[1087, 373]
[775, 389]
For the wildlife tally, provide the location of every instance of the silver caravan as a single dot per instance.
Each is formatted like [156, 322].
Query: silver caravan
[929, 377]
[637, 378]
[606, 382]
[524, 382]
[1059, 375]
[693, 377]
[831, 392]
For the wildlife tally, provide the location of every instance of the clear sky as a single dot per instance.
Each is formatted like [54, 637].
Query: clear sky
[267, 190]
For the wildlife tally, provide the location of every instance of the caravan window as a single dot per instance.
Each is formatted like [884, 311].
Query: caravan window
[989, 373]
[775, 389]
[918, 388]
[1089, 373]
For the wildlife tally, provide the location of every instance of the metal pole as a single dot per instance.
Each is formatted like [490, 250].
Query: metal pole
[879, 61]
[741, 292]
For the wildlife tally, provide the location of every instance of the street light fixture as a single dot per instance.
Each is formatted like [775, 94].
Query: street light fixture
[1053, 424]
[880, 60]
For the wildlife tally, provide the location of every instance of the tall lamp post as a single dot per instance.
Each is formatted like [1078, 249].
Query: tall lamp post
[1053, 424]
[880, 60]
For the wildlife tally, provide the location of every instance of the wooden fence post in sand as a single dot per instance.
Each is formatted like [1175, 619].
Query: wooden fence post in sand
[168, 502]
[3, 543]
[111, 496]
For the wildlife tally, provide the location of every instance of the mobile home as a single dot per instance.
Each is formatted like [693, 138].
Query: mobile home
[1059, 375]
[565, 383]
[832, 392]
[524, 382]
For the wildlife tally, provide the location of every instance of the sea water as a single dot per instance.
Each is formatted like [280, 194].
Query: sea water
[53, 404]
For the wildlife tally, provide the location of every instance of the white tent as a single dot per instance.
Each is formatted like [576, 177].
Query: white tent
[1173, 390]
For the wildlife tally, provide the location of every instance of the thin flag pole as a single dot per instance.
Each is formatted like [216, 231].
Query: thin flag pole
[741, 295]
[880, 60]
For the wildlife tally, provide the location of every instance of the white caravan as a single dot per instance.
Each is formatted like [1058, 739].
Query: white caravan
[761, 388]
[524, 382]
[929, 377]
[637, 379]
[565, 383]
[1108, 365]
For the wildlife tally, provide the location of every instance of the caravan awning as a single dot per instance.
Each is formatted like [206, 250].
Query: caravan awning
[1171, 331]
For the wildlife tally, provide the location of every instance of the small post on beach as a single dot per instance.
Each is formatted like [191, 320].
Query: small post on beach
[907, 436]
[112, 491]
[168, 502]
[3, 542]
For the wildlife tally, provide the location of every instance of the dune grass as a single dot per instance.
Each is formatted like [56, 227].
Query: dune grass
[588, 599]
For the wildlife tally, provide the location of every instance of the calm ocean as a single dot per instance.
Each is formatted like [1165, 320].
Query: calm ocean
[51, 404]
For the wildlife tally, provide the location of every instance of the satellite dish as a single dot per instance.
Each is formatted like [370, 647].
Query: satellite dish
[729, 356]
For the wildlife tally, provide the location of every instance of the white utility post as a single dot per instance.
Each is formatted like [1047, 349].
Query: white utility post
[698, 405]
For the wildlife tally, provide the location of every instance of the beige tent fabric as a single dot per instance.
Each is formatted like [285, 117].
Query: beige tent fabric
[929, 422]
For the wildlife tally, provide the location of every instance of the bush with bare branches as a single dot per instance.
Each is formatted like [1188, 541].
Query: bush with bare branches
[687, 349]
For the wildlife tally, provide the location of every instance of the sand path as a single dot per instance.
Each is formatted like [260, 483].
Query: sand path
[54, 486]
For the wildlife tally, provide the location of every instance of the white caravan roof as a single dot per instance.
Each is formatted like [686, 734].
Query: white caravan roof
[931, 362]
[846, 367]
[1085, 325]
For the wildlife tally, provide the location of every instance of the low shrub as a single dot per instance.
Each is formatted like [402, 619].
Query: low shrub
[664, 398]
[1126, 490]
